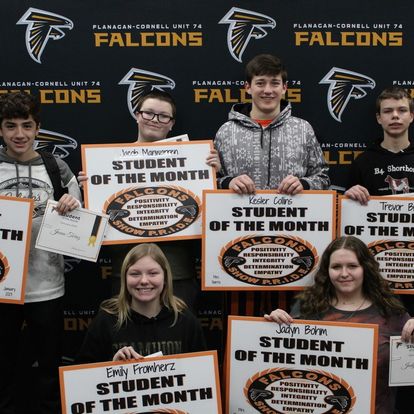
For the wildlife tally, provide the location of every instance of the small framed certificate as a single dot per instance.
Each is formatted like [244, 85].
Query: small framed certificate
[401, 362]
[78, 233]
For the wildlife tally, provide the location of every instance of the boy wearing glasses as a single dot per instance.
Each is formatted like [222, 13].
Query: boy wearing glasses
[156, 114]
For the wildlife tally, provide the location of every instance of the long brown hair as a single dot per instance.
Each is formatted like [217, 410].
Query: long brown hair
[317, 299]
[120, 304]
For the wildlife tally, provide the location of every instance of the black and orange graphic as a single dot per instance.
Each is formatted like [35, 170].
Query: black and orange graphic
[4, 267]
[152, 211]
[268, 260]
[280, 390]
[396, 261]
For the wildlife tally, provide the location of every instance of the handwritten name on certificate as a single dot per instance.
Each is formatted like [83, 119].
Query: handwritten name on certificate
[78, 233]
[401, 362]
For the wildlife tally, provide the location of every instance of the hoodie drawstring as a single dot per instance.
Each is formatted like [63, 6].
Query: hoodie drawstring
[16, 166]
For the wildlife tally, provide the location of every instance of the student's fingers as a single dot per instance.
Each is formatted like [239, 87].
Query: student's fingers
[279, 316]
[358, 193]
[213, 160]
[407, 334]
[242, 184]
[82, 176]
[127, 352]
[290, 185]
[67, 203]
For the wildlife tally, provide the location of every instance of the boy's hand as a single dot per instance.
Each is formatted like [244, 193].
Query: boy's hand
[242, 184]
[290, 185]
[67, 203]
[82, 177]
[358, 193]
[213, 160]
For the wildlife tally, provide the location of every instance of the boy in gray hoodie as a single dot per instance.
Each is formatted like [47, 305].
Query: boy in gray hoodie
[26, 172]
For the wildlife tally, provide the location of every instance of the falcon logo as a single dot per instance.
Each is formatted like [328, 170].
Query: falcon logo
[142, 82]
[244, 25]
[344, 85]
[57, 144]
[42, 26]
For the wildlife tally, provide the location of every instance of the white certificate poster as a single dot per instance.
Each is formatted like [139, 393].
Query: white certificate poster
[175, 384]
[15, 231]
[386, 225]
[401, 371]
[78, 233]
[264, 241]
[308, 366]
[151, 192]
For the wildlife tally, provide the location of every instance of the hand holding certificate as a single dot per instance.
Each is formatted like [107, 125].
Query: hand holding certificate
[401, 362]
[78, 233]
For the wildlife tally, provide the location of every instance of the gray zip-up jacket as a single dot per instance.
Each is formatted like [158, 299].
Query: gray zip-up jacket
[287, 146]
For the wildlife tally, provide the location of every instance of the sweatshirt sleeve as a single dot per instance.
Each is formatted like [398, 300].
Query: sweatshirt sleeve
[97, 345]
[317, 170]
[195, 334]
[223, 178]
[69, 180]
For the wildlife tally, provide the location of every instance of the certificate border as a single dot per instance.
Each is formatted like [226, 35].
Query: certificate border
[160, 143]
[65, 252]
[232, 318]
[255, 288]
[30, 201]
[378, 198]
[213, 354]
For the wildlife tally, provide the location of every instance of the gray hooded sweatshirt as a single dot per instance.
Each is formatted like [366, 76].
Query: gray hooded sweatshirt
[30, 179]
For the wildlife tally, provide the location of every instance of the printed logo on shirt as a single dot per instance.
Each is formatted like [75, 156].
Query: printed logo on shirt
[243, 26]
[140, 83]
[278, 389]
[41, 27]
[268, 260]
[28, 187]
[398, 185]
[57, 144]
[4, 267]
[152, 211]
[344, 85]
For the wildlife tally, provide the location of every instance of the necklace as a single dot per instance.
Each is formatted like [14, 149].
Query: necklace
[352, 313]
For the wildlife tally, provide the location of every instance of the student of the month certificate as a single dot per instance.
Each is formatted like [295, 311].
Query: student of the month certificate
[78, 233]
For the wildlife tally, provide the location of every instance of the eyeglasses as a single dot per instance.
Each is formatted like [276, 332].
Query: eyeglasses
[149, 116]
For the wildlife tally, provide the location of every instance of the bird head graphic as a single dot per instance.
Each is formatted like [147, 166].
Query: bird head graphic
[255, 394]
[142, 82]
[243, 26]
[344, 85]
[42, 26]
[340, 402]
[57, 144]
